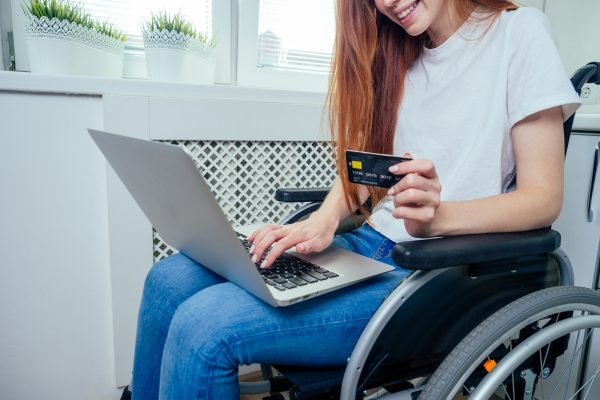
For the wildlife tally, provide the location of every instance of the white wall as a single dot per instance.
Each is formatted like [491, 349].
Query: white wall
[55, 314]
[576, 25]
[577, 28]
[74, 250]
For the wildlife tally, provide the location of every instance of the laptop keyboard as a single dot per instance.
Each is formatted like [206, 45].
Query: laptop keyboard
[288, 271]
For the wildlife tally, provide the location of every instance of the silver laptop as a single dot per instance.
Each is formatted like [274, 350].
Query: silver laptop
[166, 184]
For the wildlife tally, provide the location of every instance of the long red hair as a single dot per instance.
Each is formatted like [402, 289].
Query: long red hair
[372, 55]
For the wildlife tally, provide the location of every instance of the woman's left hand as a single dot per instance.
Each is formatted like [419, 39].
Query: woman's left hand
[416, 196]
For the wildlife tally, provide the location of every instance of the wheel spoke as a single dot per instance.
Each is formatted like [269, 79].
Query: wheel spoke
[571, 364]
[584, 385]
[538, 316]
[540, 376]
[591, 383]
[512, 375]
[548, 348]
[564, 374]
[546, 359]
[466, 388]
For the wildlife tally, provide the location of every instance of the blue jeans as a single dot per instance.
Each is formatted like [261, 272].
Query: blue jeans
[195, 328]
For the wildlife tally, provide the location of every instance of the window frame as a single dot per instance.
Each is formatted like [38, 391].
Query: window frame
[248, 74]
[235, 25]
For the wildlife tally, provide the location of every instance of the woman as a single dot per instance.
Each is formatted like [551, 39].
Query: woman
[474, 91]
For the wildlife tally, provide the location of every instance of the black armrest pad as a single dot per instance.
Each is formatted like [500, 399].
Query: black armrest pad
[472, 249]
[292, 195]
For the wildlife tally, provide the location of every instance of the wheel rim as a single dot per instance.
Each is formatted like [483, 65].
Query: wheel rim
[462, 371]
[536, 343]
[566, 308]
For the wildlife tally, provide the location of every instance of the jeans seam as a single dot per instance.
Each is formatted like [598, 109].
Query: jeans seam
[288, 330]
[224, 346]
[377, 254]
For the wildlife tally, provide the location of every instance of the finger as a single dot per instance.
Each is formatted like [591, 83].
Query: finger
[251, 236]
[266, 242]
[263, 229]
[415, 197]
[259, 234]
[419, 214]
[416, 181]
[278, 248]
[405, 155]
[421, 166]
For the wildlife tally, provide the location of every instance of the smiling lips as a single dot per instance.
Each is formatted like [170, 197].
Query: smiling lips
[407, 11]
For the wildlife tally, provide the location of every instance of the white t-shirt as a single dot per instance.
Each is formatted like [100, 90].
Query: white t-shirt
[462, 98]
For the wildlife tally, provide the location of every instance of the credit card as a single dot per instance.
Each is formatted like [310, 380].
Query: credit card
[372, 168]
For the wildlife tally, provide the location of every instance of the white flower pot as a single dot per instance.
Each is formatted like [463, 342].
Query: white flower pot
[59, 47]
[175, 57]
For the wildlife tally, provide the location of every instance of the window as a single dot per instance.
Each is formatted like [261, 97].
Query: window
[129, 14]
[285, 43]
[278, 44]
[296, 34]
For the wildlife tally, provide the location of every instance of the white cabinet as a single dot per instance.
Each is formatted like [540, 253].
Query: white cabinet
[579, 225]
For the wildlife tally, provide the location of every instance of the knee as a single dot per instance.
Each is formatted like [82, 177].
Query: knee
[198, 332]
[165, 271]
[173, 279]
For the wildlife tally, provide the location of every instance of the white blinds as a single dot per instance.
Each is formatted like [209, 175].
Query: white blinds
[296, 34]
[129, 14]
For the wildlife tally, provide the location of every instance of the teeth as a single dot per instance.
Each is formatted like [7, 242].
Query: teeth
[404, 13]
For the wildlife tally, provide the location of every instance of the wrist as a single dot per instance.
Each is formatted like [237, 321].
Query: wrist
[438, 225]
[326, 218]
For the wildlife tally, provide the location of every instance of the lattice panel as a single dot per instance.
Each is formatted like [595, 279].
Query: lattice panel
[244, 176]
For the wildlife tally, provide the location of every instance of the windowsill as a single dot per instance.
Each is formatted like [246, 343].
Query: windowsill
[587, 119]
[93, 86]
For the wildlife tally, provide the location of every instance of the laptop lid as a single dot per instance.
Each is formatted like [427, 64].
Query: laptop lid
[166, 184]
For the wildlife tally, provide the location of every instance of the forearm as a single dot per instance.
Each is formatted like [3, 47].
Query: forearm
[335, 208]
[525, 209]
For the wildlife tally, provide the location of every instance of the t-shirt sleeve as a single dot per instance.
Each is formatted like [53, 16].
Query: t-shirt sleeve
[537, 79]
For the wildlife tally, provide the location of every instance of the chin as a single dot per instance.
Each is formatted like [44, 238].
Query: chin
[414, 30]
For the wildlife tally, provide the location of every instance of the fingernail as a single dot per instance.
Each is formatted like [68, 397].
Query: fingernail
[393, 168]
[390, 192]
[254, 258]
[251, 251]
[264, 264]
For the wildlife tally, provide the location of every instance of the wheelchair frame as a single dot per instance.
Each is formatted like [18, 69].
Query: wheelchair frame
[507, 250]
[391, 305]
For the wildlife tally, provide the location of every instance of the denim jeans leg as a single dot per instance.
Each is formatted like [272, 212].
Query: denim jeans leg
[194, 329]
[168, 284]
[368, 242]
[224, 326]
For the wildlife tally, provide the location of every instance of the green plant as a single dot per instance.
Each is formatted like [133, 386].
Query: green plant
[110, 30]
[67, 10]
[178, 23]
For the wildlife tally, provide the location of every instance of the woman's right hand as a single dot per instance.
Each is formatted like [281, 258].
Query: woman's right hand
[309, 236]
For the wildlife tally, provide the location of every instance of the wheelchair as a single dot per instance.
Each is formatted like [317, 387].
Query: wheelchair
[476, 311]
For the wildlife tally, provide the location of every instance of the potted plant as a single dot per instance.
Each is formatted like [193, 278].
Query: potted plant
[64, 39]
[176, 51]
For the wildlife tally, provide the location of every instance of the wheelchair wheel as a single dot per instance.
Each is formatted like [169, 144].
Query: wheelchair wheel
[535, 342]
